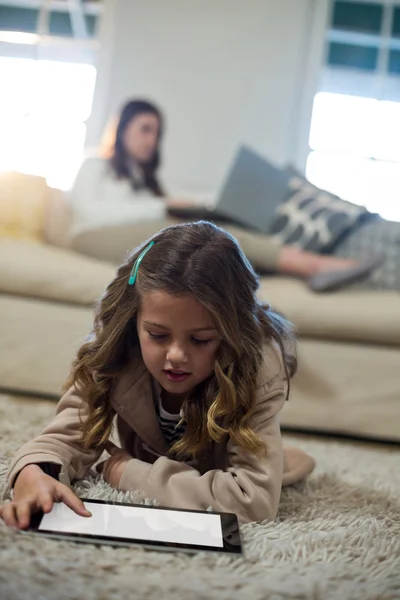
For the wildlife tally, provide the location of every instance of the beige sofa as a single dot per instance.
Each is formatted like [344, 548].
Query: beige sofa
[349, 341]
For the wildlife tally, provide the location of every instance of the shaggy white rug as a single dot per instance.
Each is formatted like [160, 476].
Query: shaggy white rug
[337, 536]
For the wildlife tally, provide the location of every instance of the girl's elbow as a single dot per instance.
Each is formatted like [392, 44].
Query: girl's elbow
[261, 507]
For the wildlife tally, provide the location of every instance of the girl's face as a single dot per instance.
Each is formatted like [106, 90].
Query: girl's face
[141, 137]
[178, 339]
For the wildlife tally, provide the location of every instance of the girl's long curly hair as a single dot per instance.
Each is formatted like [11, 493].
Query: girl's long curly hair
[204, 260]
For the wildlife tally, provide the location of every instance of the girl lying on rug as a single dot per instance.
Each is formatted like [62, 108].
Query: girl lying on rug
[193, 371]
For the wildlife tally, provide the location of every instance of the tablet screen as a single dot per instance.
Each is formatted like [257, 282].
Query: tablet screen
[137, 523]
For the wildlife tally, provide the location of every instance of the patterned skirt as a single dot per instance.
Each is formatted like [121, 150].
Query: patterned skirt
[372, 238]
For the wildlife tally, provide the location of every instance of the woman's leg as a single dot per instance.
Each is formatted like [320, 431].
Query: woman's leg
[113, 242]
[262, 252]
[266, 255]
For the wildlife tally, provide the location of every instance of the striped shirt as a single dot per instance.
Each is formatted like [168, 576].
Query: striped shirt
[169, 424]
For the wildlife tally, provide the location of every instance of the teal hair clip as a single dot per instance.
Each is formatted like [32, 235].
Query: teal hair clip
[135, 268]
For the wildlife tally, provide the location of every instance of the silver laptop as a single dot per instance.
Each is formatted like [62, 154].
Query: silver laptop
[250, 195]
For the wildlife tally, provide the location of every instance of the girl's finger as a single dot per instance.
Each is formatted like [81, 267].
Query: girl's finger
[8, 515]
[73, 502]
[45, 502]
[23, 513]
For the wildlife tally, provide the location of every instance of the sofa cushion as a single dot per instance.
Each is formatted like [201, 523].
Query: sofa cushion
[313, 219]
[44, 271]
[349, 315]
[23, 200]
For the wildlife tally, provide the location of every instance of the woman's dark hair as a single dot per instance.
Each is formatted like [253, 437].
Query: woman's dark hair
[119, 159]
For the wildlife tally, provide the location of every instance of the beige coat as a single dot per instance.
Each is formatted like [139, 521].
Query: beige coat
[227, 478]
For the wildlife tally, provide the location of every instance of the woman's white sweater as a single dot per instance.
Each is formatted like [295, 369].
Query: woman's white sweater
[98, 198]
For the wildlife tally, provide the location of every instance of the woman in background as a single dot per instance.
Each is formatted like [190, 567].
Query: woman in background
[118, 202]
[122, 186]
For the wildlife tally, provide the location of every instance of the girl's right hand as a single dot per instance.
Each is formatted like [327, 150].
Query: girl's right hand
[35, 491]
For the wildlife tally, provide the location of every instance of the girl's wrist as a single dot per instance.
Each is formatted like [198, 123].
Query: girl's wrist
[31, 468]
[27, 471]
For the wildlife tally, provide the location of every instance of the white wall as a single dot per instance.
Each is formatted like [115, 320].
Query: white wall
[224, 72]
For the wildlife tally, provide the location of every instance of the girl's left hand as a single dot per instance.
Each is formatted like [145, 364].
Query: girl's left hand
[113, 467]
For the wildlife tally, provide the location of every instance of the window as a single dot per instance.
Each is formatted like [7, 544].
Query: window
[29, 15]
[43, 109]
[47, 92]
[355, 128]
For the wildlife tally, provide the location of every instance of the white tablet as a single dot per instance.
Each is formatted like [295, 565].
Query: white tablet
[130, 524]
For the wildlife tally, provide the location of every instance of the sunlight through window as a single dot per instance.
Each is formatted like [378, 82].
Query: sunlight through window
[44, 106]
[355, 145]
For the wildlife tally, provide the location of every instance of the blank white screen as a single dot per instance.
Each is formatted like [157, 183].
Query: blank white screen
[154, 525]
